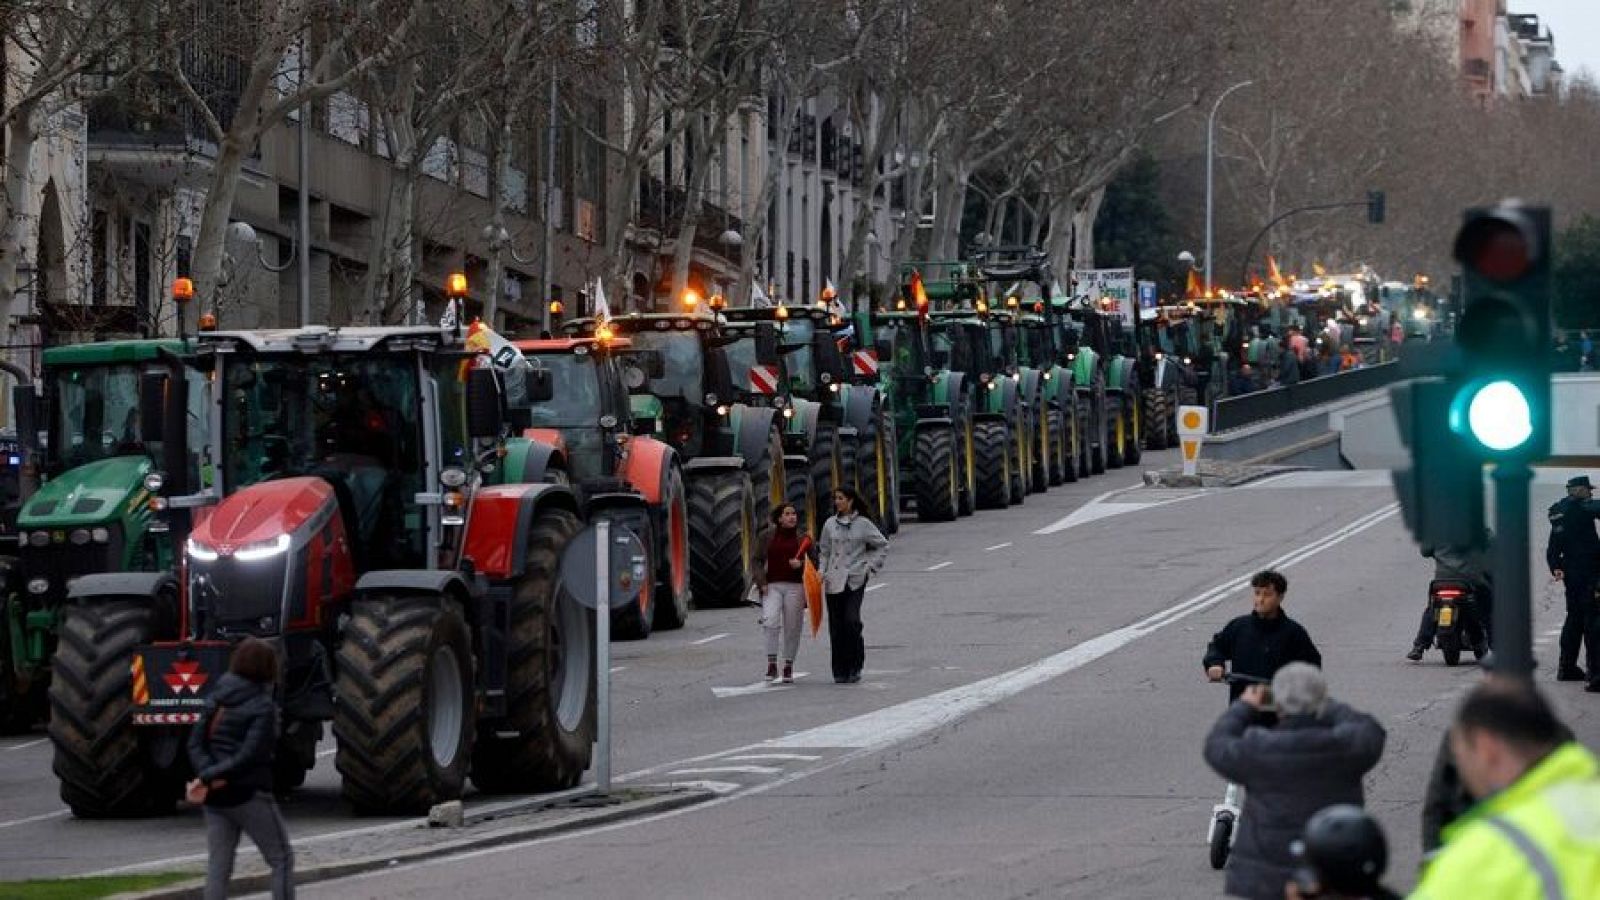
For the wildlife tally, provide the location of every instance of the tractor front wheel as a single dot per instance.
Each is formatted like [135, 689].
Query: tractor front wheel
[936, 472]
[673, 596]
[722, 536]
[992, 446]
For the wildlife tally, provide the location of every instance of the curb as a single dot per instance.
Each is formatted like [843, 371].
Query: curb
[259, 882]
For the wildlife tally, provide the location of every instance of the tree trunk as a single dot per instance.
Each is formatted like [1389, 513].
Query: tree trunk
[397, 297]
[878, 137]
[1088, 209]
[950, 190]
[21, 134]
[208, 245]
[1061, 234]
[499, 144]
[694, 194]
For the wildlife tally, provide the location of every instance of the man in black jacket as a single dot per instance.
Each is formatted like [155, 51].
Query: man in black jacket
[1314, 757]
[1261, 642]
[1573, 554]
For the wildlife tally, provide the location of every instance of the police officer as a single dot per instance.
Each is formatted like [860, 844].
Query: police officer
[1573, 555]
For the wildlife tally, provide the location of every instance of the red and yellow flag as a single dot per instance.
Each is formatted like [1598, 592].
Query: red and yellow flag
[1274, 273]
[1194, 290]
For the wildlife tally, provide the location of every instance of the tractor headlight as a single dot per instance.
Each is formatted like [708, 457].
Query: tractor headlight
[154, 482]
[722, 410]
[101, 535]
[198, 551]
[263, 549]
[833, 388]
[78, 536]
[453, 477]
[38, 538]
[38, 585]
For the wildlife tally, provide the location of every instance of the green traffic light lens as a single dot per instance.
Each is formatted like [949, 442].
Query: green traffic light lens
[1500, 417]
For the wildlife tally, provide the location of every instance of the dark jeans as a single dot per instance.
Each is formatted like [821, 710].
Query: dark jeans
[844, 632]
[1582, 627]
[259, 818]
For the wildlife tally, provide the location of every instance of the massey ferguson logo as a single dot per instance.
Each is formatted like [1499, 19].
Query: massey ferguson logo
[185, 675]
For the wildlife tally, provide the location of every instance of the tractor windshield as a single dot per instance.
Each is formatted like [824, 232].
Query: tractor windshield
[95, 413]
[741, 357]
[575, 402]
[295, 415]
[1036, 343]
[682, 362]
[802, 371]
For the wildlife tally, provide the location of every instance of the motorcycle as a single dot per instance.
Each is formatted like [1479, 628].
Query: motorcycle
[1452, 606]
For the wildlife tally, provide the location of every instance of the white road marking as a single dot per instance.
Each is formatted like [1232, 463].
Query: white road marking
[873, 587]
[616, 669]
[328, 752]
[1331, 478]
[729, 770]
[39, 818]
[1101, 508]
[892, 725]
[935, 568]
[756, 757]
[25, 746]
[707, 640]
[715, 787]
[997, 547]
[760, 687]
[1145, 626]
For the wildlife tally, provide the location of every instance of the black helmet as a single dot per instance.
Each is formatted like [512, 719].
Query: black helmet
[1346, 848]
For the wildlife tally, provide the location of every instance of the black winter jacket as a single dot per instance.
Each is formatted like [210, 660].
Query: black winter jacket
[1289, 772]
[1260, 647]
[239, 748]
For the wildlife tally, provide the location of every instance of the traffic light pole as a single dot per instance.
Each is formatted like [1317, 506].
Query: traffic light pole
[1513, 609]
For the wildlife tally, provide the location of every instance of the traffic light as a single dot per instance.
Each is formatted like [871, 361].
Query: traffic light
[1441, 495]
[1375, 207]
[1500, 400]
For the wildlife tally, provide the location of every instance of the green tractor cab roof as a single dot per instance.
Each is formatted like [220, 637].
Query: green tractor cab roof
[108, 352]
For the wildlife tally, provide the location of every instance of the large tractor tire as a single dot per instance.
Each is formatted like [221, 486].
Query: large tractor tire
[673, 594]
[1059, 464]
[722, 536]
[802, 492]
[545, 742]
[1020, 450]
[635, 621]
[849, 463]
[1132, 429]
[993, 447]
[1114, 433]
[877, 474]
[109, 768]
[935, 465]
[827, 469]
[404, 722]
[1157, 409]
[767, 481]
[1046, 440]
[967, 468]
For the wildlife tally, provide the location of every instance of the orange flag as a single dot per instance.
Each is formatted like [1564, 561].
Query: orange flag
[1195, 289]
[1274, 273]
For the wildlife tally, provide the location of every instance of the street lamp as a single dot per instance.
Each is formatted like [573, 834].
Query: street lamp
[1211, 143]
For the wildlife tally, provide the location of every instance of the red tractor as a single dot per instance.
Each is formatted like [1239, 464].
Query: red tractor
[621, 476]
[349, 518]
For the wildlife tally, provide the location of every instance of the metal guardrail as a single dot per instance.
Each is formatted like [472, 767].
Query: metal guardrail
[1236, 412]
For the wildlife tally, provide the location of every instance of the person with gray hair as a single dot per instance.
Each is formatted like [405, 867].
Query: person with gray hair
[1313, 757]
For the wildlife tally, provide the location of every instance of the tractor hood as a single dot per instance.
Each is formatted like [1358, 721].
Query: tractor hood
[264, 512]
[87, 495]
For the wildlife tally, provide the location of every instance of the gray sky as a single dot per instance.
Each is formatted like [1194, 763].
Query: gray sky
[1576, 24]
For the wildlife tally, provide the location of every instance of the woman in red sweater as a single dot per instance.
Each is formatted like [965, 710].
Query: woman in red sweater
[783, 597]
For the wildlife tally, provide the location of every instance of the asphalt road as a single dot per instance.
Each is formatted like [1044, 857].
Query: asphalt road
[1029, 722]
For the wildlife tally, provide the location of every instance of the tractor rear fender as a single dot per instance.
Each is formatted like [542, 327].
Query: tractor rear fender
[102, 585]
[933, 423]
[1030, 385]
[862, 406]
[751, 427]
[497, 532]
[801, 430]
[647, 466]
[531, 459]
[712, 465]
[1119, 374]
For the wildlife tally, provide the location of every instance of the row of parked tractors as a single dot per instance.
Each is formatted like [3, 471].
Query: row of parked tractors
[394, 507]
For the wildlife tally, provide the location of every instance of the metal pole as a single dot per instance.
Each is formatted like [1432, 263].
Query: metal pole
[1513, 613]
[1211, 141]
[602, 654]
[303, 226]
[549, 203]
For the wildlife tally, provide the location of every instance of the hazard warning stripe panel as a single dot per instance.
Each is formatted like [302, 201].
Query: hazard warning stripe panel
[865, 362]
[764, 379]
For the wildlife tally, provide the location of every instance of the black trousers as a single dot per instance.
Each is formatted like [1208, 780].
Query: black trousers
[844, 632]
[1582, 627]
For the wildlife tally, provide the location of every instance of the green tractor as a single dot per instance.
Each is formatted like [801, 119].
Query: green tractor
[840, 423]
[931, 404]
[92, 512]
[1105, 371]
[733, 453]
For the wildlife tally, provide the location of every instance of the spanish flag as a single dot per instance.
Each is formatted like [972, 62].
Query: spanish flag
[1194, 290]
[1317, 268]
[919, 294]
[1274, 273]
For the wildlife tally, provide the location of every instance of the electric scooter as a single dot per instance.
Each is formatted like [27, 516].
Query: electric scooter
[1225, 815]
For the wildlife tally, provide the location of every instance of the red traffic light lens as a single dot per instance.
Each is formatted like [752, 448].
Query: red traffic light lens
[1496, 249]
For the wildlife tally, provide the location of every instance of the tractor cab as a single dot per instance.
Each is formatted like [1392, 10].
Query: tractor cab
[591, 411]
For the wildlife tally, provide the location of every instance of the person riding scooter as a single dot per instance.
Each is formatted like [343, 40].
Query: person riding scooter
[1470, 565]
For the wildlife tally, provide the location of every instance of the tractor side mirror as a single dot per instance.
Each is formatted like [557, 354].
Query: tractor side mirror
[153, 405]
[767, 349]
[719, 378]
[539, 387]
[27, 404]
[483, 404]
